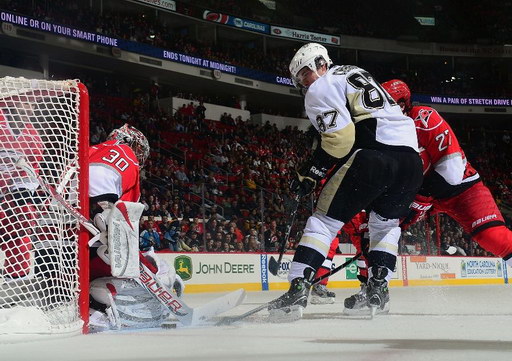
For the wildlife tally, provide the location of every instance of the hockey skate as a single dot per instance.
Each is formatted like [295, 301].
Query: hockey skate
[320, 295]
[290, 306]
[358, 303]
[377, 291]
[102, 321]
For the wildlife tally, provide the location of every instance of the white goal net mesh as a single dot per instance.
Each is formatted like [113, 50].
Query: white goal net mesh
[39, 269]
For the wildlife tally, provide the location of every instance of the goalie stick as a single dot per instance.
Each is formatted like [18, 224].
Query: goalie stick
[27, 168]
[231, 319]
[188, 316]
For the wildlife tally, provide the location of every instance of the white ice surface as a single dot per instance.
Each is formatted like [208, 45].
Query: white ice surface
[425, 323]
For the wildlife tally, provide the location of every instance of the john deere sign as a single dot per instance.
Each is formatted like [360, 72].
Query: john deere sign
[183, 267]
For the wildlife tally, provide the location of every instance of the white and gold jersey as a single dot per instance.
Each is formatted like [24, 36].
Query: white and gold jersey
[351, 110]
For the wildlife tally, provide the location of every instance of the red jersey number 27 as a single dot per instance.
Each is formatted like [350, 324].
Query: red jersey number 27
[116, 159]
[444, 140]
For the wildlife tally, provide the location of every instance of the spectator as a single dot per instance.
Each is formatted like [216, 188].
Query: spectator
[254, 245]
[239, 247]
[226, 247]
[164, 225]
[172, 235]
[149, 238]
[271, 237]
[181, 174]
[210, 245]
[175, 212]
[228, 238]
[189, 212]
[193, 241]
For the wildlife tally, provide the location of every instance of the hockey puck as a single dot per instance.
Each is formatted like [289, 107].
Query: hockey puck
[169, 325]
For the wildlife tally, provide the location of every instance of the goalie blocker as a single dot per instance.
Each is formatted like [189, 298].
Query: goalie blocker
[119, 238]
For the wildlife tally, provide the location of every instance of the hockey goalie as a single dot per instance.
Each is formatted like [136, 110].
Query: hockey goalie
[117, 299]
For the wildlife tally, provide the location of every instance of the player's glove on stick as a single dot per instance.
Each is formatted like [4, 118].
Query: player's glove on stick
[418, 210]
[306, 179]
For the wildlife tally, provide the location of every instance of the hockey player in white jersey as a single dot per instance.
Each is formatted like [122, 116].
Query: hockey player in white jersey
[372, 147]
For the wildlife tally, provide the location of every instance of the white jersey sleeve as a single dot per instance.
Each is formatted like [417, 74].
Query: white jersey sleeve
[104, 180]
[452, 168]
[349, 108]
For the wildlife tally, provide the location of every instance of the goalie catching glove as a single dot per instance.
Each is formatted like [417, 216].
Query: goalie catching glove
[307, 178]
[418, 210]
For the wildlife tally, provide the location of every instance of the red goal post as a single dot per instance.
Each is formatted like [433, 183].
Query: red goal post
[44, 261]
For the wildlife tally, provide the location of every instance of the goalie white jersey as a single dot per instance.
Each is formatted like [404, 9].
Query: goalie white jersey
[351, 110]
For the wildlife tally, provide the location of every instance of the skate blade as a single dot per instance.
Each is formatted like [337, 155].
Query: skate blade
[363, 311]
[315, 300]
[366, 311]
[286, 314]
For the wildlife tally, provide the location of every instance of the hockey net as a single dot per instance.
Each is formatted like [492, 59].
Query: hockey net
[43, 253]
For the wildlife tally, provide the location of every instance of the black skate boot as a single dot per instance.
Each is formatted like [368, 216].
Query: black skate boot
[289, 306]
[320, 295]
[358, 303]
[378, 292]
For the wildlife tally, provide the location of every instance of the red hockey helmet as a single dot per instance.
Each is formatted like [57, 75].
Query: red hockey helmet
[135, 139]
[400, 92]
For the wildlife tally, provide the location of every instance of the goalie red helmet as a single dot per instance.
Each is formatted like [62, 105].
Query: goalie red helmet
[135, 139]
[400, 92]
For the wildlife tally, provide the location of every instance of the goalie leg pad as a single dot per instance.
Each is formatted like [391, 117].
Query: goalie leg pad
[123, 239]
[130, 305]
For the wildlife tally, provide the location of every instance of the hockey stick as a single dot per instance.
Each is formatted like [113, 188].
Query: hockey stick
[337, 269]
[273, 265]
[147, 279]
[231, 319]
[27, 168]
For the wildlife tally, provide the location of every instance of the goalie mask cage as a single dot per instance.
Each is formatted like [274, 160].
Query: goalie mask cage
[43, 251]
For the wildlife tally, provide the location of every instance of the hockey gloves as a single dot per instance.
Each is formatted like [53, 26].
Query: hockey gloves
[417, 211]
[306, 179]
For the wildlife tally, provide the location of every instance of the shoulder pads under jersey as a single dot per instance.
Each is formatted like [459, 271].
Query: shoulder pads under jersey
[425, 117]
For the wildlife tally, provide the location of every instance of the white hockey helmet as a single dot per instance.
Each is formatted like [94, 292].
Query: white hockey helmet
[134, 138]
[311, 55]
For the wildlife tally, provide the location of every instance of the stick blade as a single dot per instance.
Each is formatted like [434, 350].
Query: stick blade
[231, 319]
[217, 306]
[273, 266]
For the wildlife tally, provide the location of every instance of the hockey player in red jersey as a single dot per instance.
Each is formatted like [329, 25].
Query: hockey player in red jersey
[115, 164]
[113, 181]
[451, 185]
[114, 168]
[18, 139]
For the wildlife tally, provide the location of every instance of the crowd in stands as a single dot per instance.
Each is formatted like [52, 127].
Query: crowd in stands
[222, 185]
[487, 77]
[209, 185]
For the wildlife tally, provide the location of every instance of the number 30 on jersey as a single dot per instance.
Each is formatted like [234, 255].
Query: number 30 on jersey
[116, 160]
